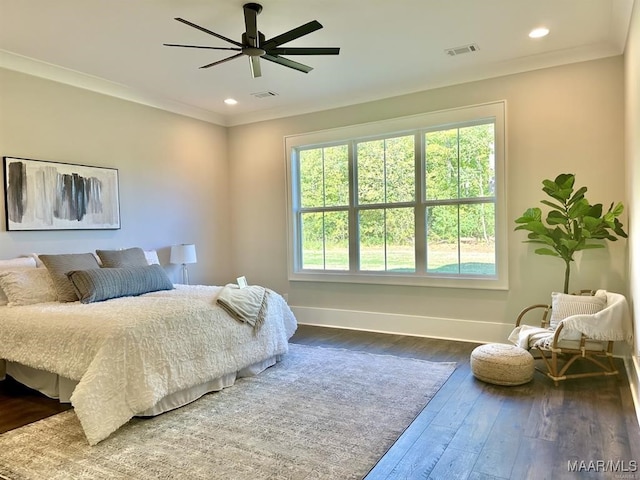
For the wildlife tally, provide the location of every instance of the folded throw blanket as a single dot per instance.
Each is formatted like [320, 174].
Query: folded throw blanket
[246, 304]
[526, 336]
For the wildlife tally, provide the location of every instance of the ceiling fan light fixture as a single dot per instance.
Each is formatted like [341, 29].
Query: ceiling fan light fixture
[253, 51]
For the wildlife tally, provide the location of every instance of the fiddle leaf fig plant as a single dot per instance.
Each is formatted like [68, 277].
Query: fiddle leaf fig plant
[572, 224]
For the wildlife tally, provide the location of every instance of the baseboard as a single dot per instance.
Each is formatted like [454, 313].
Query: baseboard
[632, 366]
[398, 324]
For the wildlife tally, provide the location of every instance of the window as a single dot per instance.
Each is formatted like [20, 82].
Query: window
[417, 200]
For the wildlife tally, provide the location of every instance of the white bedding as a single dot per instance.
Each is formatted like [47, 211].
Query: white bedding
[128, 353]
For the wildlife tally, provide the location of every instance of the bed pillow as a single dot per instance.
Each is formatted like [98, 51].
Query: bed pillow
[129, 257]
[564, 305]
[59, 265]
[18, 263]
[27, 286]
[98, 284]
[152, 257]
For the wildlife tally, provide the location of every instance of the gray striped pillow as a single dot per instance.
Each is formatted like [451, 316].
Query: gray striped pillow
[98, 284]
[59, 265]
[122, 258]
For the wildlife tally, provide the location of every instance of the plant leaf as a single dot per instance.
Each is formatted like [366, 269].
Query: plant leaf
[553, 205]
[530, 215]
[618, 209]
[546, 251]
[579, 195]
[556, 218]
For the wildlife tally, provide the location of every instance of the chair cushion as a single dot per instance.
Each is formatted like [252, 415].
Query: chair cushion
[564, 305]
[502, 364]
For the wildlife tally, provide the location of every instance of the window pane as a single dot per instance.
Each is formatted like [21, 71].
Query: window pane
[336, 176]
[441, 162]
[472, 252]
[370, 162]
[311, 178]
[386, 170]
[371, 227]
[324, 177]
[336, 235]
[400, 169]
[387, 240]
[312, 241]
[477, 169]
[442, 239]
[325, 238]
[477, 239]
[400, 235]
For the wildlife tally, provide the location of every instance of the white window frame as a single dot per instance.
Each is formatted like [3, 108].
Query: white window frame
[495, 111]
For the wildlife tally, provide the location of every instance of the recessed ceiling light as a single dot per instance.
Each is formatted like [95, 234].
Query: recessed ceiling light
[539, 32]
[230, 101]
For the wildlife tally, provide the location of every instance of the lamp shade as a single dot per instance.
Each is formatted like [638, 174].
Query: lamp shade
[185, 253]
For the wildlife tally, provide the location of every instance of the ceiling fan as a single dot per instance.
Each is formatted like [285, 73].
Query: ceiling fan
[256, 47]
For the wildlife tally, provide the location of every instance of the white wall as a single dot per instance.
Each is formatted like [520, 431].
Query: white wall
[559, 120]
[632, 157]
[172, 170]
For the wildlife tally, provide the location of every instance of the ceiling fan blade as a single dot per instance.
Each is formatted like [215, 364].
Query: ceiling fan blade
[304, 51]
[254, 63]
[200, 46]
[251, 11]
[298, 32]
[202, 29]
[223, 60]
[287, 63]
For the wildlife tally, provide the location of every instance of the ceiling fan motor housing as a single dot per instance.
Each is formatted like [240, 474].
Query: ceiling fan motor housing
[253, 51]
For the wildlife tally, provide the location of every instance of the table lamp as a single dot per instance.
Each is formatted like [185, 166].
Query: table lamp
[183, 254]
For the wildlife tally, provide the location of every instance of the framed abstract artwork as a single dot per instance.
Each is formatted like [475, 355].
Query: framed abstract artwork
[42, 195]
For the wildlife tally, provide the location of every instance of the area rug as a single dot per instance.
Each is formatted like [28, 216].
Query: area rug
[320, 413]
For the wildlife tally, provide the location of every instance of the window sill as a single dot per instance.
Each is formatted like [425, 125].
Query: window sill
[442, 281]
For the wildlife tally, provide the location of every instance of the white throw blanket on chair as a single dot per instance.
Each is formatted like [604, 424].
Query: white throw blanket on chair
[611, 323]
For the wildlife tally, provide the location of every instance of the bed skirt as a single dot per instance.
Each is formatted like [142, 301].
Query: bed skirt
[61, 388]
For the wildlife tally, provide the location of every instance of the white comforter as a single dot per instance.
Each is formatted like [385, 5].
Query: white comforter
[128, 353]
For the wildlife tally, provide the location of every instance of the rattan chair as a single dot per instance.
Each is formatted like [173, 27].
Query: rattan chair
[583, 336]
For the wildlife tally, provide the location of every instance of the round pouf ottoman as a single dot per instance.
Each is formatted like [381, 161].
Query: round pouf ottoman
[502, 364]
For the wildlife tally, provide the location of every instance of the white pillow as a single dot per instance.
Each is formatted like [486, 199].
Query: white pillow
[20, 262]
[27, 286]
[564, 305]
[39, 263]
[14, 264]
[152, 257]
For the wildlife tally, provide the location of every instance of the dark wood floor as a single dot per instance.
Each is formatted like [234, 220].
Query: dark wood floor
[473, 430]
[470, 429]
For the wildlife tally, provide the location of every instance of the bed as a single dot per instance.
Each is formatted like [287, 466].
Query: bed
[135, 355]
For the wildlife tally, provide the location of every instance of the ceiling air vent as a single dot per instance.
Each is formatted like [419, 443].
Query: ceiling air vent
[472, 47]
[264, 94]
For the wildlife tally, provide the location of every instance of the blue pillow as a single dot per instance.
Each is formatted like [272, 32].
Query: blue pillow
[98, 284]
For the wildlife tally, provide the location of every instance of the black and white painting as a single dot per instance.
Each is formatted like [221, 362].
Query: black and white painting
[41, 195]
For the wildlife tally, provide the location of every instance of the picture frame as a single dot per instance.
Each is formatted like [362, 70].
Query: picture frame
[45, 195]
